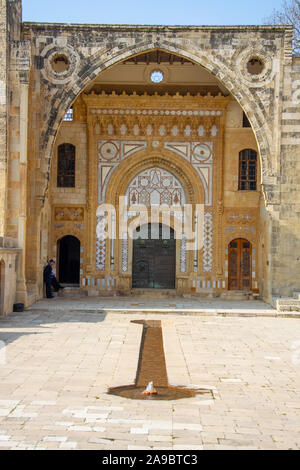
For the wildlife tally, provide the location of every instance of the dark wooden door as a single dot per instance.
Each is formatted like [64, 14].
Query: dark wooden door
[154, 261]
[240, 252]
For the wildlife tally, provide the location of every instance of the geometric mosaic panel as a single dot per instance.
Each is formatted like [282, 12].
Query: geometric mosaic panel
[125, 253]
[183, 254]
[110, 154]
[155, 186]
[200, 156]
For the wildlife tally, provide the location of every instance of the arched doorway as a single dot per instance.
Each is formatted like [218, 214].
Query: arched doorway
[154, 257]
[239, 260]
[69, 260]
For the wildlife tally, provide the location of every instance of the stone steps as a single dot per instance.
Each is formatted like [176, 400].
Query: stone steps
[69, 292]
[154, 293]
[238, 295]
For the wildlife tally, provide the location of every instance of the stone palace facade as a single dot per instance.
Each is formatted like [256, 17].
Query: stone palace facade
[92, 115]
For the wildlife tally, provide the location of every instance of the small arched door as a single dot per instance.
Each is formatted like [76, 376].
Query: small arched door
[69, 260]
[154, 257]
[239, 260]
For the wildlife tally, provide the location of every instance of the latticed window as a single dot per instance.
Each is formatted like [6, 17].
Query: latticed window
[66, 166]
[247, 170]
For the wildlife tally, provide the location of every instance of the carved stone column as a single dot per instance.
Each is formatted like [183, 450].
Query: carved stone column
[219, 204]
[3, 116]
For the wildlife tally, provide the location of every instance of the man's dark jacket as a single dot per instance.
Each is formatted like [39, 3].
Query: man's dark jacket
[47, 273]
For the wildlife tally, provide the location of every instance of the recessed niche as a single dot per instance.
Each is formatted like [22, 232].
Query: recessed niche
[60, 63]
[255, 66]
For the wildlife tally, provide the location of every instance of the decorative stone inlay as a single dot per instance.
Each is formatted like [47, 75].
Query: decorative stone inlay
[242, 64]
[108, 151]
[230, 229]
[125, 253]
[157, 112]
[208, 242]
[195, 262]
[72, 60]
[58, 226]
[79, 226]
[101, 243]
[200, 155]
[112, 243]
[183, 254]
[194, 152]
[214, 131]
[110, 154]
[155, 187]
[240, 219]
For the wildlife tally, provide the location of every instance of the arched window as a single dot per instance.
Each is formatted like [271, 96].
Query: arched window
[66, 166]
[247, 170]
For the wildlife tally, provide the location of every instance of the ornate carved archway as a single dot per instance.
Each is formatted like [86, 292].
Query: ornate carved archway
[135, 165]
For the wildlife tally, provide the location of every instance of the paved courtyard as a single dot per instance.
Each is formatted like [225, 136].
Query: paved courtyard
[56, 367]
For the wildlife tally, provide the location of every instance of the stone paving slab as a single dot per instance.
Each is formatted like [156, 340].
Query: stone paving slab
[58, 366]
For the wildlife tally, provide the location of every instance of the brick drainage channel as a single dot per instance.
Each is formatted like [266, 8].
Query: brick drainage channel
[152, 368]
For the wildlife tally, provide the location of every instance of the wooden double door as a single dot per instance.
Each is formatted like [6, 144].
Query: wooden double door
[154, 260]
[239, 269]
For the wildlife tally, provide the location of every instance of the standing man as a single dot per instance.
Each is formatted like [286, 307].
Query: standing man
[50, 279]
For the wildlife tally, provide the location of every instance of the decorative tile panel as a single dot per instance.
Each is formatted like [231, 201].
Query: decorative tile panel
[200, 156]
[183, 254]
[157, 112]
[65, 214]
[101, 243]
[125, 253]
[110, 154]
